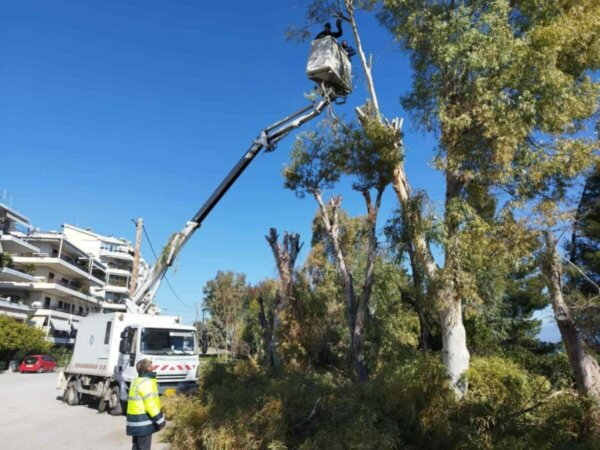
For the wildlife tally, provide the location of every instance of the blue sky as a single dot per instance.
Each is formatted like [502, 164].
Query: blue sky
[118, 109]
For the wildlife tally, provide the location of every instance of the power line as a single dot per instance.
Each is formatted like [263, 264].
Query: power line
[165, 276]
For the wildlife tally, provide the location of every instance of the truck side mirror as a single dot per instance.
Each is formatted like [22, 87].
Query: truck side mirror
[124, 343]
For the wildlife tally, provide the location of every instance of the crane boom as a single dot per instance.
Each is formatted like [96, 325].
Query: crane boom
[141, 300]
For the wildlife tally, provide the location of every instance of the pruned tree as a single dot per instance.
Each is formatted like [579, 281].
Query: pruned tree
[285, 254]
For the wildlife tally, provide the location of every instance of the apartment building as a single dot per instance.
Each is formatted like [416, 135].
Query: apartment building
[11, 222]
[52, 279]
[49, 275]
[117, 254]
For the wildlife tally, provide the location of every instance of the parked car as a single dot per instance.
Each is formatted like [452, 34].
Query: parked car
[38, 363]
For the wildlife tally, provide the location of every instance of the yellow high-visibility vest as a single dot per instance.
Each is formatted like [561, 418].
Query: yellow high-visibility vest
[143, 406]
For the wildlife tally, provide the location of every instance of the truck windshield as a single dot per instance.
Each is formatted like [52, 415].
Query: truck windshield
[159, 341]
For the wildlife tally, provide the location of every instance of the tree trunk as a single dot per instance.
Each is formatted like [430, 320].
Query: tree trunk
[455, 352]
[355, 313]
[585, 367]
[455, 348]
[267, 332]
[419, 299]
[285, 258]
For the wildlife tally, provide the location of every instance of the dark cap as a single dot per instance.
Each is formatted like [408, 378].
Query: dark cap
[327, 25]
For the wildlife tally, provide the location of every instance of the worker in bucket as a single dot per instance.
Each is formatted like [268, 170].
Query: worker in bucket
[327, 30]
[349, 50]
[143, 407]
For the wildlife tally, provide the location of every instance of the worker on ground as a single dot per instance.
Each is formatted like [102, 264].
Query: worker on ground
[143, 407]
[327, 30]
[349, 50]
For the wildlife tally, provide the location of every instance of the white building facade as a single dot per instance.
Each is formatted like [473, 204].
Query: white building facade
[118, 256]
[53, 279]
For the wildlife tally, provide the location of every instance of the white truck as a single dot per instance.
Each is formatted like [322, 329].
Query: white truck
[108, 346]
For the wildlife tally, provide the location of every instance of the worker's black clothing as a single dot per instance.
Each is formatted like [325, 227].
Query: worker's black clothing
[142, 442]
[349, 51]
[336, 34]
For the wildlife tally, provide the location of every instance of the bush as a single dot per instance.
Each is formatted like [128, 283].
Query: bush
[62, 355]
[242, 406]
[17, 340]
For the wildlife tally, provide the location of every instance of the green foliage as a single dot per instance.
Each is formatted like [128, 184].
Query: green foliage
[584, 254]
[367, 153]
[409, 405]
[62, 355]
[506, 86]
[5, 260]
[393, 324]
[225, 296]
[17, 339]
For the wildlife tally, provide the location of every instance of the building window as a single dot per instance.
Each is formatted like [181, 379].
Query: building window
[107, 333]
[81, 310]
[50, 276]
[60, 305]
[47, 302]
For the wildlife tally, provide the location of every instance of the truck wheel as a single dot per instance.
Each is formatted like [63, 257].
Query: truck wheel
[102, 405]
[71, 397]
[115, 408]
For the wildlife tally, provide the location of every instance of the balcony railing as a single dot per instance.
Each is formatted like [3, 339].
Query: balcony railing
[63, 310]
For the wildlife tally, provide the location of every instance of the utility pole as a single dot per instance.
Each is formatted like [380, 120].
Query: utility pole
[136, 258]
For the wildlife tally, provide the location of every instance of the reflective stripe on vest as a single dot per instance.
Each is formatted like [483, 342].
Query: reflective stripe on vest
[143, 407]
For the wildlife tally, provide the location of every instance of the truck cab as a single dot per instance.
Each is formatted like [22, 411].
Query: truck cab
[108, 347]
[172, 350]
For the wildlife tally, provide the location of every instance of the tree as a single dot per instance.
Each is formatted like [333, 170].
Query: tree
[455, 352]
[17, 339]
[584, 254]
[224, 296]
[490, 77]
[318, 161]
[585, 367]
[285, 255]
[400, 233]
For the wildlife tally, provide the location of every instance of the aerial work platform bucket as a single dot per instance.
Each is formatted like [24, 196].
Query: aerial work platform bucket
[329, 64]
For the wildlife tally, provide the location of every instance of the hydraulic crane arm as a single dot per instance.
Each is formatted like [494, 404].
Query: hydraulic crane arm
[268, 139]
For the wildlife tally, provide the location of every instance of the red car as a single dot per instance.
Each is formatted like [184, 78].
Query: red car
[38, 363]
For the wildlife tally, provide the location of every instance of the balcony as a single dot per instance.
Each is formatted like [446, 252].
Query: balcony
[117, 271]
[116, 289]
[106, 253]
[40, 285]
[59, 265]
[15, 310]
[8, 274]
[14, 245]
[56, 312]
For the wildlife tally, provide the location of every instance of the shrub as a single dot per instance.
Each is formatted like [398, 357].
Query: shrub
[17, 339]
[242, 406]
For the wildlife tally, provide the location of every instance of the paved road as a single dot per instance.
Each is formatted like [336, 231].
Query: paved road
[33, 417]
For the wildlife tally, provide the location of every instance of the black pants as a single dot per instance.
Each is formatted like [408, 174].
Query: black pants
[142, 442]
